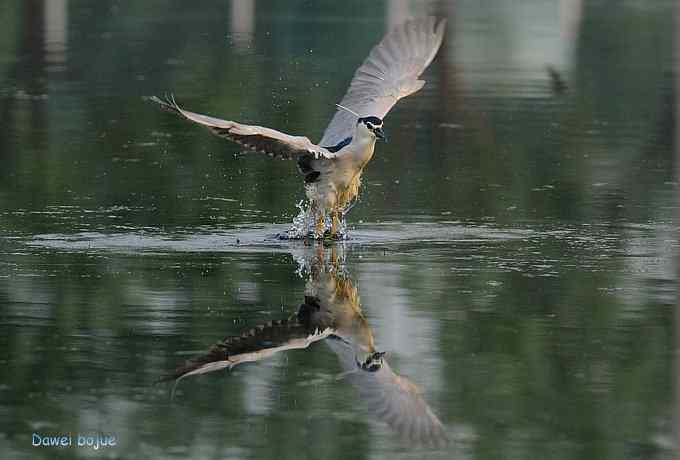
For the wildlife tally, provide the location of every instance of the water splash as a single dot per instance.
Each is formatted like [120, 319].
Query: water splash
[320, 257]
[304, 224]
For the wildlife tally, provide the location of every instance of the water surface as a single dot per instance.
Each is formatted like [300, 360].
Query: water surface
[511, 250]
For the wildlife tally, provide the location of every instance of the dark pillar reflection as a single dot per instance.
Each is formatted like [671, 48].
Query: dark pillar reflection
[26, 96]
[26, 79]
[676, 168]
[449, 87]
[32, 54]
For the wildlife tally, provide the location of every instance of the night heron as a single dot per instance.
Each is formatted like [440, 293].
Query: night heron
[332, 168]
[332, 313]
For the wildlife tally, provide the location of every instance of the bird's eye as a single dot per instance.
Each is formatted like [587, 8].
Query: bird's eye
[370, 126]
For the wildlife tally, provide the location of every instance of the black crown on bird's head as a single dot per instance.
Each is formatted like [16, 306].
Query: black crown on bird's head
[374, 124]
[373, 362]
[371, 122]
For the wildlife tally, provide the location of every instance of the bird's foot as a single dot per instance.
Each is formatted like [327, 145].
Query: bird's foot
[319, 227]
[332, 234]
[334, 224]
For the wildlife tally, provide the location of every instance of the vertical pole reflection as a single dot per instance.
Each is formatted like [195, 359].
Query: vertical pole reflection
[398, 11]
[571, 12]
[242, 25]
[29, 70]
[570, 19]
[55, 23]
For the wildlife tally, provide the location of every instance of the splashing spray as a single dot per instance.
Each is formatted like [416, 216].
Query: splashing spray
[303, 225]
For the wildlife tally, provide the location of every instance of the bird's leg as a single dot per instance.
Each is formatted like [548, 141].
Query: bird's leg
[316, 212]
[334, 224]
[334, 257]
[318, 252]
[319, 224]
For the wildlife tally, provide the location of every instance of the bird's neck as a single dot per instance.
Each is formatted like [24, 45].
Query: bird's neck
[363, 136]
[362, 147]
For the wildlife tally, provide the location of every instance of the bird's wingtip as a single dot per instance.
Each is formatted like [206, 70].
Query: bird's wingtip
[168, 102]
[152, 99]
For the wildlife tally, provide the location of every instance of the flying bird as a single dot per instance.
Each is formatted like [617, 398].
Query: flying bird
[332, 168]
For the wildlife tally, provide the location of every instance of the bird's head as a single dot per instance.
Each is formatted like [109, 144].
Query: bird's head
[373, 362]
[371, 126]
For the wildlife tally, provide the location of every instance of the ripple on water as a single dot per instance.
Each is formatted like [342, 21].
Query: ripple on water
[266, 237]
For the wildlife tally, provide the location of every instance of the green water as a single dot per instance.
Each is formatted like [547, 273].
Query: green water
[512, 247]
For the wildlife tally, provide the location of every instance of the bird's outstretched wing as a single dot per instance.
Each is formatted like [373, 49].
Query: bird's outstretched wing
[307, 326]
[254, 345]
[265, 140]
[389, 73]
[391, 398]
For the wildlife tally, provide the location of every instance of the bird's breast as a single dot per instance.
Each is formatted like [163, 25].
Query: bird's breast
[340, 177]
[362, 153]
[352, 162]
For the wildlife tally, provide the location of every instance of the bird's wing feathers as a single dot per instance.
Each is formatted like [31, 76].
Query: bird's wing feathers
[389, 73]
[254, 345]
[392, 398]
[398, 402]
[265, 140]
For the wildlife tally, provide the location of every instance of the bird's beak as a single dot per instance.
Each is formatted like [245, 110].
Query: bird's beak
[380, 134]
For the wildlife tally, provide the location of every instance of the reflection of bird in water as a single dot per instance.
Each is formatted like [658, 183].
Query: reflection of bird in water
[332, 311]
[332, 168]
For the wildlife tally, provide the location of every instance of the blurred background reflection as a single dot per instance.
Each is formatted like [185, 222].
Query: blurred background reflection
[512, 248]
